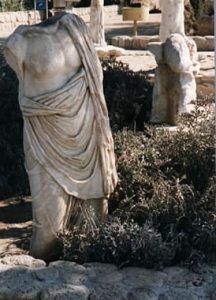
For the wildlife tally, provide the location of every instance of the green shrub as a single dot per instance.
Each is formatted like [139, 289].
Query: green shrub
[121, 243]
[202, 7]
[18, 5]
[194, 10]
[166, 194]
[128, 95]
[13, 178]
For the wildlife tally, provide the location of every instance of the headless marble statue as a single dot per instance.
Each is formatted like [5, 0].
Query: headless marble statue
[68, 145]
[177, 59]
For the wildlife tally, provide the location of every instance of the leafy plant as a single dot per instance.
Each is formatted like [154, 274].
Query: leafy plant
[128, 95]
[13, 179]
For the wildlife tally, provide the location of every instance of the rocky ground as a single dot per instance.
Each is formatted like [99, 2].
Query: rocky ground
[15, 226]
[23, 278]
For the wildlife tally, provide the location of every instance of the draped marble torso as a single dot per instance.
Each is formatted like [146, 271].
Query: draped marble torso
[66, 124]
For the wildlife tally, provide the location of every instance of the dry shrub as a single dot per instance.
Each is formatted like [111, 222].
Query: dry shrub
[164, 205]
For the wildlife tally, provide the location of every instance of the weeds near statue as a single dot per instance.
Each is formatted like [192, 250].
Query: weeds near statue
[68, 145]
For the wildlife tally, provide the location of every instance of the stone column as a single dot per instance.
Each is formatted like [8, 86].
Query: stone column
[97, 22]
[172, 19]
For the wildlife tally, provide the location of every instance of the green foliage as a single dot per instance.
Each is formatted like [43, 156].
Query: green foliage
[13, 179]
[128, 95]
[194, 10]
[122, 243]
[202, 7]
[15, 5]
[164, 205]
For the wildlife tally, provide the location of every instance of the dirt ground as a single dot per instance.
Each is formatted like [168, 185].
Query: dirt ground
[15, 226]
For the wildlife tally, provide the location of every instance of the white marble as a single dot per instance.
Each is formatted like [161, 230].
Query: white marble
[68, 144]
[172, 19]
[175, 86]
[97, 22]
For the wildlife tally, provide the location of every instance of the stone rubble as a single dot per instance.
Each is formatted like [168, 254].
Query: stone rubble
[25, 278]
[140, 42]
[144, 61]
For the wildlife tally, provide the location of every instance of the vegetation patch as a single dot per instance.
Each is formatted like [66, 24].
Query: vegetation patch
[163, 210]
[13, 178]
[128, 95]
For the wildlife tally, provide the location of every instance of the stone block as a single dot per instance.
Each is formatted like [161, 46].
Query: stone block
[22, 260]
[143, 278]
[178, 294]
[7, 17]
[204, 43]
[114, 41]
[135, 42]
[109, 51]
[143, 42]
[13, 17]
[142, 294]
[69, 272]
[108, 292]
[121, 41]
[128, 42]
[65, 292]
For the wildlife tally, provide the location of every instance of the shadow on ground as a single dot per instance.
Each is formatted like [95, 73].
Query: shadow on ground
[15, 226]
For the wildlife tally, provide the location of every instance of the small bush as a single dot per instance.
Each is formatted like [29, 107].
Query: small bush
[164, 204]
[121, 243]
[16, 5]
[13, 178]
[128, 95]
[194, 10]
[202, 7]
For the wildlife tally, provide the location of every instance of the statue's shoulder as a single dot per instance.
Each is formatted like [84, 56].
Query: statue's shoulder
[15, 43]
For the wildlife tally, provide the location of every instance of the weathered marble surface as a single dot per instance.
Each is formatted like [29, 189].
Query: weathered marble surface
[177, 59]
[22, 277]
[172, 19]
[68, 145]
[97, 22]
[175, 85]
